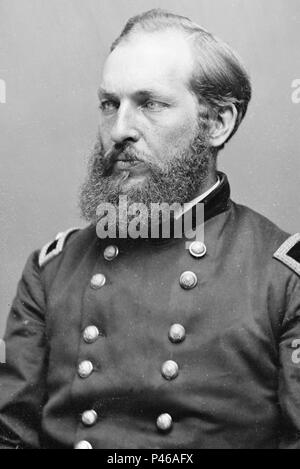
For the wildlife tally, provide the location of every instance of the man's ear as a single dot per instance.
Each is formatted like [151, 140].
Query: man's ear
[222, 127]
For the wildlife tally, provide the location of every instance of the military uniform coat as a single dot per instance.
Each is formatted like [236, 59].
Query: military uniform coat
[93, 361]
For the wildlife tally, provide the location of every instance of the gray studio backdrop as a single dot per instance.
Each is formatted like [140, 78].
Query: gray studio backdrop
[51, 53]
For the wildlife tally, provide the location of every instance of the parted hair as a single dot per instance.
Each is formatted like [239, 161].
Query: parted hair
[219, 78]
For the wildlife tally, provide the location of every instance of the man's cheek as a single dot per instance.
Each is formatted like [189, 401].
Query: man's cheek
[178, 141]
[184, 133]
[105, 130]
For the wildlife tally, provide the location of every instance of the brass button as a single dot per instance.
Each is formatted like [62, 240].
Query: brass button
[164, 422]
[89, 418]
[85, 369]
[110, 252]
[177, 333]
[90, 334]
[197, 249]
[97, 281]
[83, 445]
[188, 280]
[170, 370]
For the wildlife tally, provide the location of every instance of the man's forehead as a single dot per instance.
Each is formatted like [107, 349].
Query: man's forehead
[162, 59]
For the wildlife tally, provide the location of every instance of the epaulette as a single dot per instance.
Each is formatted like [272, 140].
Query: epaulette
[55, 247]
[289, 253]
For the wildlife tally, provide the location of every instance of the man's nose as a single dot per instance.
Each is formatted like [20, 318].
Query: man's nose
[125, 125]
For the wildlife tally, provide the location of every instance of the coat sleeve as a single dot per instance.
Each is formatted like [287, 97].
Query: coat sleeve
[289, 369]
[22, 376]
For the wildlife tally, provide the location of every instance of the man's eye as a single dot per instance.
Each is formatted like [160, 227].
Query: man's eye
[108, 106]
[154, 105]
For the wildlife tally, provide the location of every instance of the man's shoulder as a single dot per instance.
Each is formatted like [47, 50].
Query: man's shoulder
[269, 237]
[259, 223]
[54, 247]
[64, 252]
[63, 243]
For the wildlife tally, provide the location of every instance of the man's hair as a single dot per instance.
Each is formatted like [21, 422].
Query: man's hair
[219, 79]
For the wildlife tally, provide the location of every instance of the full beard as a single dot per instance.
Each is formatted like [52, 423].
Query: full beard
[178, 181]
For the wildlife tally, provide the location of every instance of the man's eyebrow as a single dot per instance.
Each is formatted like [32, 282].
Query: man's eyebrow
[146, 94]
[152, 93]
[142, 94]
[103, 93]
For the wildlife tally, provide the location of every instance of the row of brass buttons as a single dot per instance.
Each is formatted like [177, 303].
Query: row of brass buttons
[164, 423]
[177, 334]
[196, 249]
[169, 369]
[188, 279]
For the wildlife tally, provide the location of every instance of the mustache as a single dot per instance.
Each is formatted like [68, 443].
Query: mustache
[110, 157]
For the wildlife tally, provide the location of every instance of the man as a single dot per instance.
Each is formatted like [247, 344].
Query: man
[142, 343]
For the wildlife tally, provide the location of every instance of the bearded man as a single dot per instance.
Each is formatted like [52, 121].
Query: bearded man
[138, 342]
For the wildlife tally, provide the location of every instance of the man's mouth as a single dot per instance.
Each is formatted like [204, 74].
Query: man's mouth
[118, 161]
[123, 163]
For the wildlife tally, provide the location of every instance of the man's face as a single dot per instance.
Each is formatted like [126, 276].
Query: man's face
[145, 103]
[151, 145]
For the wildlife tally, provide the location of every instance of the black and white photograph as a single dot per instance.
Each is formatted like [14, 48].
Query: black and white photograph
[150, 227]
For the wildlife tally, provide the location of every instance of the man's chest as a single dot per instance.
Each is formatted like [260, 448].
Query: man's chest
[134, 301]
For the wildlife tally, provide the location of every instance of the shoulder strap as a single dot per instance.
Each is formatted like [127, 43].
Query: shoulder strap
[55, 247]
[289, 253]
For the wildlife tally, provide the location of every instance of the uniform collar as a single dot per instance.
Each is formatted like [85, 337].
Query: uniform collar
[216, 201]
[199, 198]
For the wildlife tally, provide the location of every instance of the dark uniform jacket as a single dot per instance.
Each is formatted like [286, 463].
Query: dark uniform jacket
[237, 381]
